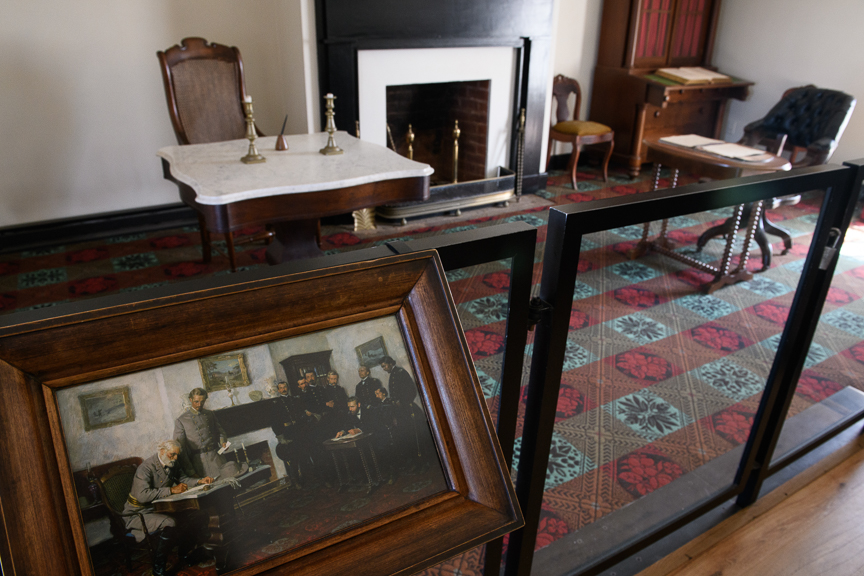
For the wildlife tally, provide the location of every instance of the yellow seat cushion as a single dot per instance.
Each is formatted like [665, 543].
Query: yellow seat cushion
[581, 128]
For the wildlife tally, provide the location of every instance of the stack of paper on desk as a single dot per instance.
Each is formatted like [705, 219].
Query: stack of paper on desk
[693, 75]
[730, 150]
[690, 140]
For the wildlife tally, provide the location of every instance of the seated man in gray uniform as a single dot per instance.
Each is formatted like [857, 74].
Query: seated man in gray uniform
[201, 437]
[159, 477]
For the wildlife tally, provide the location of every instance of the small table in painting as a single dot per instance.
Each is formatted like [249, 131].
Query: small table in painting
[218, 503]
[362, 444]
[292, 189]
[718, 168]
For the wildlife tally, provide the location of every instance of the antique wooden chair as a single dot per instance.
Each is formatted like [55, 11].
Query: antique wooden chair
[205, 89]
[576, 132]
[807, 120]
[114, 486]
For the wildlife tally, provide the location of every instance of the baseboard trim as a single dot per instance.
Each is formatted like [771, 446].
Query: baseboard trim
[47, 233]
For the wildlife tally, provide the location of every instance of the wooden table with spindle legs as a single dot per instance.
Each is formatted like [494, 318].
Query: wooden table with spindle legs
[715, 167]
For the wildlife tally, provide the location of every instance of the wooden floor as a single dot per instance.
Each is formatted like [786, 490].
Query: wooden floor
[800, 529]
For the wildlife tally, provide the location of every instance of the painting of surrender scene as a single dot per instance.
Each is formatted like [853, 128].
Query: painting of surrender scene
[211, 465]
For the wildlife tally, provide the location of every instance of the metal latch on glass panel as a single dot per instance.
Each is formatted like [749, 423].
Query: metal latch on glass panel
[538, 310]
[831, 249]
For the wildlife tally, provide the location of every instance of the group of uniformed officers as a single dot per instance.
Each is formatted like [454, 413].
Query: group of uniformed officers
[309, 414]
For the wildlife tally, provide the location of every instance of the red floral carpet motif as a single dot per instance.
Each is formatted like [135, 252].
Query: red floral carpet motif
[643, 471]
[570, 402]
[637, 297]
[693, 277]
[7, 302]
[772, 312]
[683, 236]
[550, 528]
[856, 352]
[579, 319]
[733, 424]
[717, 337]
[484, 343]
[90, 286]
[497, 280]
[86, 255]
[624, 248]
[643, 366]
[625, 190]
[839, 297]
[815, 387]
[174, 241]
[579, 197]
[857, 272]
[185, 269]
[9, 268]
[342, 239]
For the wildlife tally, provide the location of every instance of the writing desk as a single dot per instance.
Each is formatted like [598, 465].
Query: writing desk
[218, 503]
[717, 167]
[292, 189]
[362, 443]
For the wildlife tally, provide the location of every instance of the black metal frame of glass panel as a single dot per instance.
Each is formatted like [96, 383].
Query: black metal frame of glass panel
[568, 224]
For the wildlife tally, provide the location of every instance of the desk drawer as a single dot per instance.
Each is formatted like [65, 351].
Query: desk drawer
[695, 118]
[660, 95]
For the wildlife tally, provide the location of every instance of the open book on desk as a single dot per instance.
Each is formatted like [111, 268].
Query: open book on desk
[693, 75]
[718, 147]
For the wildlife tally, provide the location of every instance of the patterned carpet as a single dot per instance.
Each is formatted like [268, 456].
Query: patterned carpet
[659, 378]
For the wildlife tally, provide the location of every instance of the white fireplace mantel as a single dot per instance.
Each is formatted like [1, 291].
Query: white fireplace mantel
[377, 69]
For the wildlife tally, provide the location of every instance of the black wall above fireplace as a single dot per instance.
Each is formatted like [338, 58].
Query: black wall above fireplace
[346, 26]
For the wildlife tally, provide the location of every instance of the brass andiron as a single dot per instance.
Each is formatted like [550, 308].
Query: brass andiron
[410, 139]
[456, 133]
[252, 156]
[357, 129]
[390, 138]
[330, 149]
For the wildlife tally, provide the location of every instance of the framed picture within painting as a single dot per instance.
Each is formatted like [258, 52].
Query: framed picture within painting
[359, 471]
[371, 353]
[106, 408]
[224, 372]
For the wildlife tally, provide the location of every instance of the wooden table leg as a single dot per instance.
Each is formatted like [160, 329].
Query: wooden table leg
[294, 240]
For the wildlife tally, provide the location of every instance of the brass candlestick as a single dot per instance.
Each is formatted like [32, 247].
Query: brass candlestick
[330, 149]
[252, 156]
[410, 139]
[456, 133]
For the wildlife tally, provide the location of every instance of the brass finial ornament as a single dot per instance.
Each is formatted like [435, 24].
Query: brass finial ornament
[456, 133]
[252, 156]
[330, 149]
[409, 137]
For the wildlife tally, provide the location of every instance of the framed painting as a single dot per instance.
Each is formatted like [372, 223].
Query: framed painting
[224, 372]
[371, 353]
[395, 500]
[106, 408]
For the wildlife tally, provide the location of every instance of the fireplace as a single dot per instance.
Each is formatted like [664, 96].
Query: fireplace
[432, 112]
[364, 48]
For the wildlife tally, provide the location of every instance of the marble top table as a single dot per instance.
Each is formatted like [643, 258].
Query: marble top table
[293, 188]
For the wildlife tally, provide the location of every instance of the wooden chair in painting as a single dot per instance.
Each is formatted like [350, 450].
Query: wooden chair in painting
[807, 123]
[205, 89]
[114, 487]
[574, 131]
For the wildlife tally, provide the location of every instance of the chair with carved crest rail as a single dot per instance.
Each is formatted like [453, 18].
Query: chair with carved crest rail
[576, 132]
[205, 89]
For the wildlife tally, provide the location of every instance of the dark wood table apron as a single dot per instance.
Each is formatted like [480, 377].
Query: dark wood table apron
[718, 168]
[294, 217]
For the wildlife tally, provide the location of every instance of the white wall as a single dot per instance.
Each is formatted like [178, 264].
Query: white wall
[83, 104]
[784, 43]
[576, 36]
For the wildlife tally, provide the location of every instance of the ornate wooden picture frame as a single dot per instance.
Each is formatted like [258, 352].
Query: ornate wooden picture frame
[42, 353]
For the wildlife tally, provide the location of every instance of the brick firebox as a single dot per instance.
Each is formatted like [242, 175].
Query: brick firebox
[432, 110]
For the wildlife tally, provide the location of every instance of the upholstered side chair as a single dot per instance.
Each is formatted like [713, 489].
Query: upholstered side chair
[574, 131]
[205, 89]
[806, 123]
